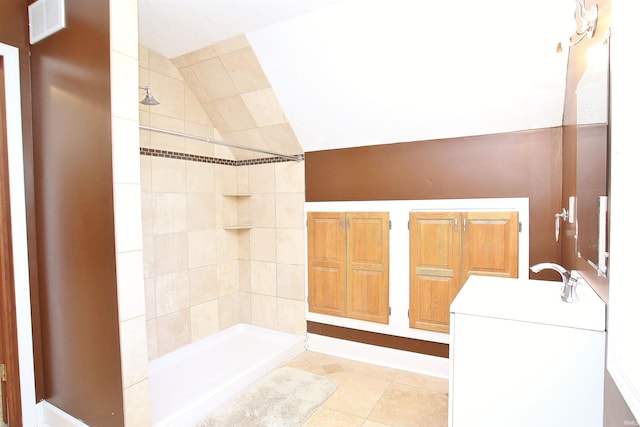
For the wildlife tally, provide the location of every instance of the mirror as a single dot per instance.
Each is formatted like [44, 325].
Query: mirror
[593, 159]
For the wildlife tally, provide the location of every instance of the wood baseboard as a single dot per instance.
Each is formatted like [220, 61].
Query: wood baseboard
[390, 341]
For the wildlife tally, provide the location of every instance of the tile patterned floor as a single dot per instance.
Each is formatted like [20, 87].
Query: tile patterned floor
[375, 396]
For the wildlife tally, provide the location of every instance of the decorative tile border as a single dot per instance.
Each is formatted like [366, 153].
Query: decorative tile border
[206, 159]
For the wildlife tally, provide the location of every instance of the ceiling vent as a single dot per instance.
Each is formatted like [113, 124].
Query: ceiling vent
[45, 18]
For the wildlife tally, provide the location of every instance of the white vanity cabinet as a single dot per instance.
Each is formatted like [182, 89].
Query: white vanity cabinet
[519, 356]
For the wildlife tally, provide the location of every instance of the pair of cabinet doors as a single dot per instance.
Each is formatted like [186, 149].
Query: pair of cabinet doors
[448, 247]
[348, 261]
[348, 264]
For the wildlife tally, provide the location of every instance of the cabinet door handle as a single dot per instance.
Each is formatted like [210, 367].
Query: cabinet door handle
[340, 223]
[464, 225]
[455, 225]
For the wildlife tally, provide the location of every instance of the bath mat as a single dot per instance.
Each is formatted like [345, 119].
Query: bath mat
[285, 397]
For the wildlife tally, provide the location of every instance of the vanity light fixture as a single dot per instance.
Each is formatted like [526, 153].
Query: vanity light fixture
[586, 22]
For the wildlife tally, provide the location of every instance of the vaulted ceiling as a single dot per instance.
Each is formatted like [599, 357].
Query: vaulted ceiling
[363, 72]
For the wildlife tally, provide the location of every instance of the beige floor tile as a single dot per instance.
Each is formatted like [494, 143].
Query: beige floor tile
[374, 371]
[356, 394]
[324, 417]
[440, 385]
[407, 406]
[313, 362]
[369, 423]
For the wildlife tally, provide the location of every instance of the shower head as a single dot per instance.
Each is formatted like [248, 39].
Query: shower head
[148, 99]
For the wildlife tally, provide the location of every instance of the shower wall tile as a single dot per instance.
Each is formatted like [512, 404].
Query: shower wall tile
[200, 177]
[231, 44]
[290, 177]
[172, 292]
[143, 56]
[201, 213]
[280, 138]
[214, 79]
[242, 179]
[226, 180]
[291, 316]
[148, 255]
[227, 241]
[150, 298]
[244, 273]
[245, 307]
[264, 107]
[245, 70]
[217, 120]
[263, 244]
[263, 278]
[290, 246]
[229, 310]
[290, 210]
[137, 408]
[194, 111]
[162, 65]
[204, 320]
[234, 112]
[195, 57]
[174, 331]
[263, 210]
[203, 284]
[194, 85]
[131, 302]
[170, 253]
[202, 248]
[147, 215]
[244, 245]
[291, 281]
[228, 278]
[152, 339]
[264, 311]
[262, 179]
[145, 173]
[168, 175]
[169, 213]
[202, 277]
[133, 342]
[170, 92]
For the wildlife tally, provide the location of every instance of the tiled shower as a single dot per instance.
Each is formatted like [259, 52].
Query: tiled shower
[201, 277]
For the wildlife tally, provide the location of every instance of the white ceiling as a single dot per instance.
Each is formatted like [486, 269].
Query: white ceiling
[364, 72]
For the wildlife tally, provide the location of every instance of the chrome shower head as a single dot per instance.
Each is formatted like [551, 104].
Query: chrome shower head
[148, 99]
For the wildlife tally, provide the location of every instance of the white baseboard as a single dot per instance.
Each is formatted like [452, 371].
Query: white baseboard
[392, 358]
[51, 416]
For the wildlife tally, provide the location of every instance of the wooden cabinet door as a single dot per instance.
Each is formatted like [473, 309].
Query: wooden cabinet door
[326, 241]
[368, 266]
[435, 268]
[489, 244]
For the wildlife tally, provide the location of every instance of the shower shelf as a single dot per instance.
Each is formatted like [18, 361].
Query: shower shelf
[238, 227]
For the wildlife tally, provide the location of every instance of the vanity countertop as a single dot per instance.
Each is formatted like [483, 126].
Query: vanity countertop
[536, 301]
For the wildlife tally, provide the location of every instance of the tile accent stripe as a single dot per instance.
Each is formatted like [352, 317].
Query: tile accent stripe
[207, 159]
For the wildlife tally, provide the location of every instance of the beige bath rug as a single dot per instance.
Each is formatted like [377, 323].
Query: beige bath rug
[285, 397]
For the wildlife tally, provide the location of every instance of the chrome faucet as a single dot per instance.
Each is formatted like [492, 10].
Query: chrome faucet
[568, 291]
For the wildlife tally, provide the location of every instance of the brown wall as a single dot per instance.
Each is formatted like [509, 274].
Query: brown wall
[75, 219]
[516, 164]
